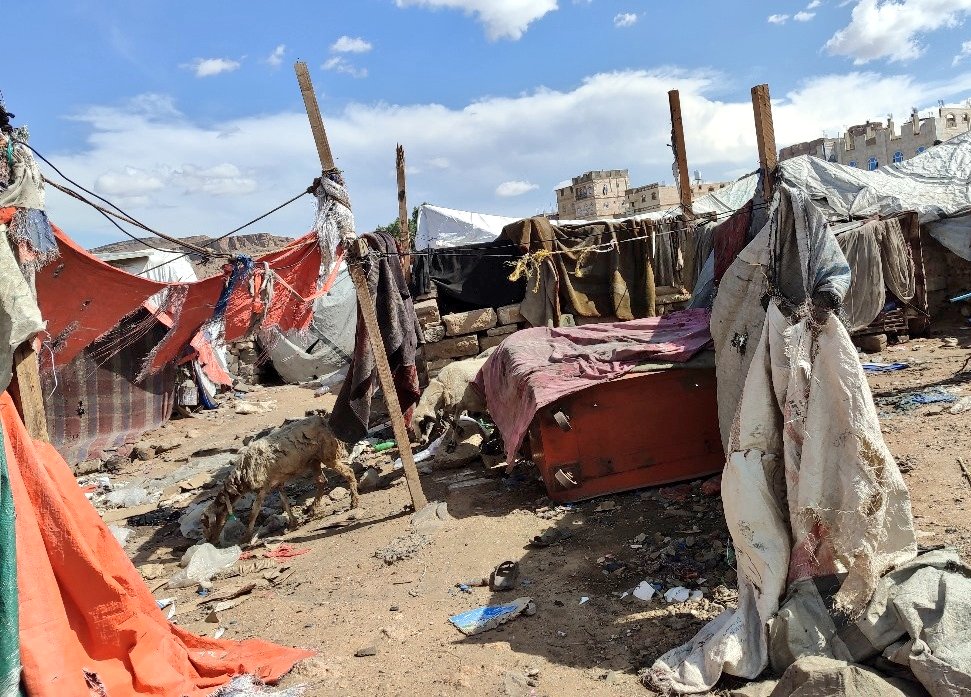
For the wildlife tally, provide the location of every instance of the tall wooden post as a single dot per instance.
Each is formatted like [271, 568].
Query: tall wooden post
[680, 155]
[25, 389]
[765, 138]
[404, 232]
[356, 250]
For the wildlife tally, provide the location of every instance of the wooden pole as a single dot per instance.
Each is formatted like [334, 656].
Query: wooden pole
[25, 389]
[404, 233]
[356, 249]
[765, 138]
[680, 155]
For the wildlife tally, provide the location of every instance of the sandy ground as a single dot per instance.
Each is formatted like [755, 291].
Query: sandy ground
[341, 597]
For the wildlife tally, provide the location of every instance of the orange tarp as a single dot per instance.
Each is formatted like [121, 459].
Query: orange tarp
[85, 609]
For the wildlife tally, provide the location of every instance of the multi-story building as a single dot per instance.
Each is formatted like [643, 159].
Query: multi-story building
[593, 195]
[657, 197]
[873, 144]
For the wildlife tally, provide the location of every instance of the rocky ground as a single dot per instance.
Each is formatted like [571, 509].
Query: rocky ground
[373, 595]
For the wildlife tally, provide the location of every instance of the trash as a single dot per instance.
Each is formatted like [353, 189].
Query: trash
[549, 537]
[605, 506]
[871, 367]
[365, 651]
[121, 534]
[384, 445]
[129, 497]
[219, 632]
[678, 594]
[369, 479]
[463, 587]
[281, 551]
[949, 342]
[639, 538]
[483, 619]
[201, 563]
[584, 599]
[505, 576]
[644, 591]
[960, 406]
[167, 603]
[426, 454]
[912, 400]
[696, 596]
[190, 524]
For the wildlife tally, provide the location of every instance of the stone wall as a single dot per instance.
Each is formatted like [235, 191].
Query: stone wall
[243, 359]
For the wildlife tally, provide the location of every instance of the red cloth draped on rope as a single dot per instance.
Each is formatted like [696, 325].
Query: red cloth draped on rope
[88, 623]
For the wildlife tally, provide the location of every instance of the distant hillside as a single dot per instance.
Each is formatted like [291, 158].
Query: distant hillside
[253, 245]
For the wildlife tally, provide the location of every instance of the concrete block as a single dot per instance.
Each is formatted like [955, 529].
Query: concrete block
[502, 330]
[488, 342]
[874, 343]
[433, 332]
[510, 314]
[461, 323]
[459, 347]
[427, 311]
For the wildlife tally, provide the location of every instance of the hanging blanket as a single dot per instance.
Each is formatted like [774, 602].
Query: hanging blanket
[399, 333]
[88, 623]
[535, 367]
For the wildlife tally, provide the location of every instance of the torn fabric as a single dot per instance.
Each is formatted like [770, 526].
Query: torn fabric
[20, 318]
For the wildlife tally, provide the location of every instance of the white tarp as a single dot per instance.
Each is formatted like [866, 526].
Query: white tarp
[810, 488]
[935, 184]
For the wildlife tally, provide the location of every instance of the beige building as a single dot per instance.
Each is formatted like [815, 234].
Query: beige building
[657, 197]
[873, 144]
[593, 195]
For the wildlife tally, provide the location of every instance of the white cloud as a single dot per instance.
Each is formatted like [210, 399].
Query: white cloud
[814, 4]
[625, 19]
[340, 64]
[350, 44]
[503, 19]
[515, 187]
[965, 52]
[169, 165]
[893, 29]
[276, 58]
[777, 19]
[803, 16]
[207, 67]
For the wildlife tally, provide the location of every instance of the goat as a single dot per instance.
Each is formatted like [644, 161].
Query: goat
[449, 394]
[301, 447]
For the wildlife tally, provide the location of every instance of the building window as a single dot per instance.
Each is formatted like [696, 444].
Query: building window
[872, 164]
[951, 121]
[921, 149]
[898, 157]
[852, 163]
[654, 196]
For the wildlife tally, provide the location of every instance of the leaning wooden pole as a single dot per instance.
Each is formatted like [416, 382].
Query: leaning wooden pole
[680, 154]
[765, 138]
[404, 231]
[25, 389]
[356, 251]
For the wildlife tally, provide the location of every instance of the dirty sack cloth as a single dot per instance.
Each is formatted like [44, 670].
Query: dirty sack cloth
[20, 317]
[535, 367]
[919, 618]
[815, 676]
[88, 623]
[810, 489]
[879, 258]
[730, 237]
[794, 257]
[399, 332]
[26, 186]
[469, 277]
[614, 280]
[33, 234]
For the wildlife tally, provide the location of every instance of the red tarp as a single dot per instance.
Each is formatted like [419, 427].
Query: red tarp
[535, 367]
[85, 609]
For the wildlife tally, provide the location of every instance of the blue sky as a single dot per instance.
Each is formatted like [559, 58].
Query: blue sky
[188, 114]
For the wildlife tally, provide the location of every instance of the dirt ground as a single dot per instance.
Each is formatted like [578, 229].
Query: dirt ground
[341, 597]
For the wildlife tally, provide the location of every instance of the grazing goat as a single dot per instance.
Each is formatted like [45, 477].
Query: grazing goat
[450, 394]
[307, 446]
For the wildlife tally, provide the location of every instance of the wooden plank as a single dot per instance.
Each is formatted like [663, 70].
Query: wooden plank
[26, 392]
[680, 154]
[356, 251]
[404, 231]
[765, 138]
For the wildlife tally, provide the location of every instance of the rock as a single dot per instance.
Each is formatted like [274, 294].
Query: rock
[433, 333]
[502, 330]
[370, 479]
[487, 342]
[164, 446]
[875, 343]
[438, 364]
[461, 323]
[611, 677]
[142, 452]
[514, 684]
[370, 650]
[510, 314]
[949, 342]
[338, 493]
[427, 312]
[459, 347]
[150, 572]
